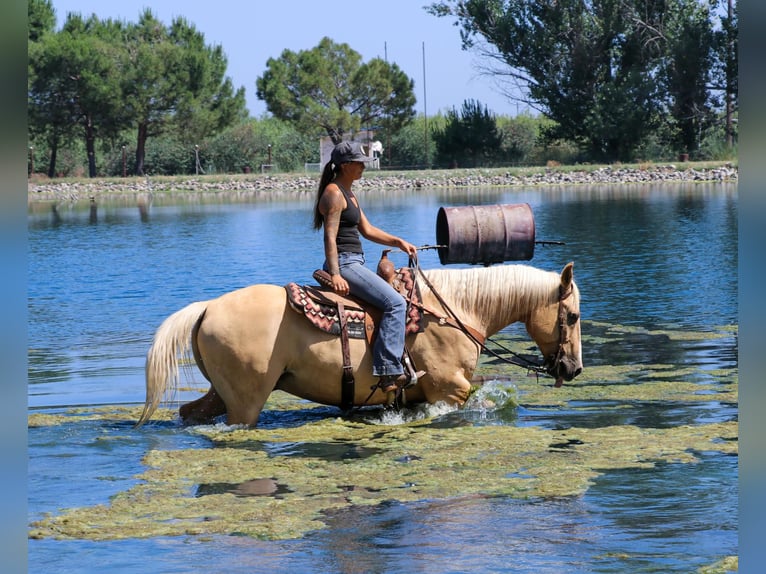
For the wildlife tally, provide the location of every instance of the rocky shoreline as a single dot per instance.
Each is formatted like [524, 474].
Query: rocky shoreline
[280, 184]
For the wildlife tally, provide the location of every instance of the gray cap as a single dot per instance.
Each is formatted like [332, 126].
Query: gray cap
[348, 151]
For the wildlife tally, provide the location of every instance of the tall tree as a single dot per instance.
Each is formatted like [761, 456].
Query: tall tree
[171, 79]
[328, 88]
[725, 67]
[51, 94]
[209, 103]
[599, 68]
[41, 18]
[74, 85]
[689, 38]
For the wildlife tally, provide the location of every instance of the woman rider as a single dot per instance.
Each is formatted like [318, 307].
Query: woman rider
[338, 211]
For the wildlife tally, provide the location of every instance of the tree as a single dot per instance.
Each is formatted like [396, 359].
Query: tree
[172, 79]
[725, 66]
[41, 19]
[328, 88]
[74, 85]
[688, 35]
[598, 68]
[50, 95]
[209, 103]
[469, 138]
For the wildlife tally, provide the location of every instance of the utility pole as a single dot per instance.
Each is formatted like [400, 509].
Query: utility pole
[388, 112]
[425, 110]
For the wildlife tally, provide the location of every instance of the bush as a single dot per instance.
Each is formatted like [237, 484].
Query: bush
[469, 138]
[407, 148]
[246, 147]
[519, 136]
[166, 155]
[713, 145]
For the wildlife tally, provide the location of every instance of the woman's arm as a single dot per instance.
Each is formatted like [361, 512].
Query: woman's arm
[331, 205]
[369, 231]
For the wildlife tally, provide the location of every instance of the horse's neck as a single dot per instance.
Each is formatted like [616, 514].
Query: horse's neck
[491, 298]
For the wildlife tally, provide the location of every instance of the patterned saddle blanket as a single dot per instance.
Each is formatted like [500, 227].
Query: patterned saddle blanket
[319, 305]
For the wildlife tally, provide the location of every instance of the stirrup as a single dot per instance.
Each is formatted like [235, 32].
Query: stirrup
[394, 383]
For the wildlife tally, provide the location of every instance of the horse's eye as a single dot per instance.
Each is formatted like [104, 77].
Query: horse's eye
[572, 318]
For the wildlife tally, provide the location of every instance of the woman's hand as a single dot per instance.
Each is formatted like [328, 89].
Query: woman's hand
[408, 248]
[339, 285]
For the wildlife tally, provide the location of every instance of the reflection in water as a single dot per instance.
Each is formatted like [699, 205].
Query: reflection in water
[324, 450]
[623, 524]
[254, 487]
[93, 217]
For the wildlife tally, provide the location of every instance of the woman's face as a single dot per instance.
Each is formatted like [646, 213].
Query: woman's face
[354, 169]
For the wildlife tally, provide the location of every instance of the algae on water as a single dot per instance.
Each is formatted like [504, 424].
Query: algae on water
[279, 483]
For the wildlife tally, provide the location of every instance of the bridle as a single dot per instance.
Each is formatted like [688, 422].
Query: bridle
[563, 333]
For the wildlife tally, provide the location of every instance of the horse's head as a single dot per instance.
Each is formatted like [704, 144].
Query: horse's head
[555, 328]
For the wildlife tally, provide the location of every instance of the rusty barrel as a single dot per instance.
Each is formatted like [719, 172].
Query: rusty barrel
[485, 233]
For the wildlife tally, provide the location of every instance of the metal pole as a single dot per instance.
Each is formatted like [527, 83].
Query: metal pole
[124, 163]
[388, 113]
[269, 155]
[31, 160]
[196, 159]
[425, 111]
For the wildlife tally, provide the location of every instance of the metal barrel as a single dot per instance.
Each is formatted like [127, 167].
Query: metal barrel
[485, 233]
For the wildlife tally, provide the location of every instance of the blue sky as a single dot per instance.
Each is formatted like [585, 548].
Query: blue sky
[252, 32]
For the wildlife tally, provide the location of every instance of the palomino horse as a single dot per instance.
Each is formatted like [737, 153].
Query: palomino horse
[250, 342]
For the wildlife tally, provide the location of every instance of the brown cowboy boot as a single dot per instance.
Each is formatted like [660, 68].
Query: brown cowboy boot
[391, 383]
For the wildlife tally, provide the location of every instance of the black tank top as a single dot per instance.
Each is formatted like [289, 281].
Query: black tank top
[348, 240]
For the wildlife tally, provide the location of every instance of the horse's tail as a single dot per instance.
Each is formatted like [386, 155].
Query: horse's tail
[172, 339]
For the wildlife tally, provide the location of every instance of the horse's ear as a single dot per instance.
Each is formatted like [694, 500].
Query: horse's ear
[567, 275]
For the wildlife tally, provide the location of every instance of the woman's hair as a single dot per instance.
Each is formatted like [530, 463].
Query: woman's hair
[328, 174]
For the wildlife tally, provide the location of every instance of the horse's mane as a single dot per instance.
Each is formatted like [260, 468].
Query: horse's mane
[496, 288]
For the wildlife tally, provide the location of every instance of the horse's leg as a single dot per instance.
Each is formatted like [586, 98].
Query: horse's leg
[203, 410]
[238, 343]
[245, 402]
[242, 383]
[449, 359]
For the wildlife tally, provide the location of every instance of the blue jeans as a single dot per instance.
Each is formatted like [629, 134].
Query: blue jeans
[388, 347]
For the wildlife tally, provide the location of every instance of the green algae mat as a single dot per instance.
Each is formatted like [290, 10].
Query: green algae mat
[278, 483]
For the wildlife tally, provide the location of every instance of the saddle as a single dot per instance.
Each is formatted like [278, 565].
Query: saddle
[319, 304]
[348, 316]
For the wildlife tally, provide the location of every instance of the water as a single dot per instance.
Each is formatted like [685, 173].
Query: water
[648, 260]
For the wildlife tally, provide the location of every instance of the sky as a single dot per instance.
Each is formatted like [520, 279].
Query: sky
[250, 33]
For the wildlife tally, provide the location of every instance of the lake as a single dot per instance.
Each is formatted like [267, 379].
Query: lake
[632, 467]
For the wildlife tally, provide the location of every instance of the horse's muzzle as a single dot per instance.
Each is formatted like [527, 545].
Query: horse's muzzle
[564, 370]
